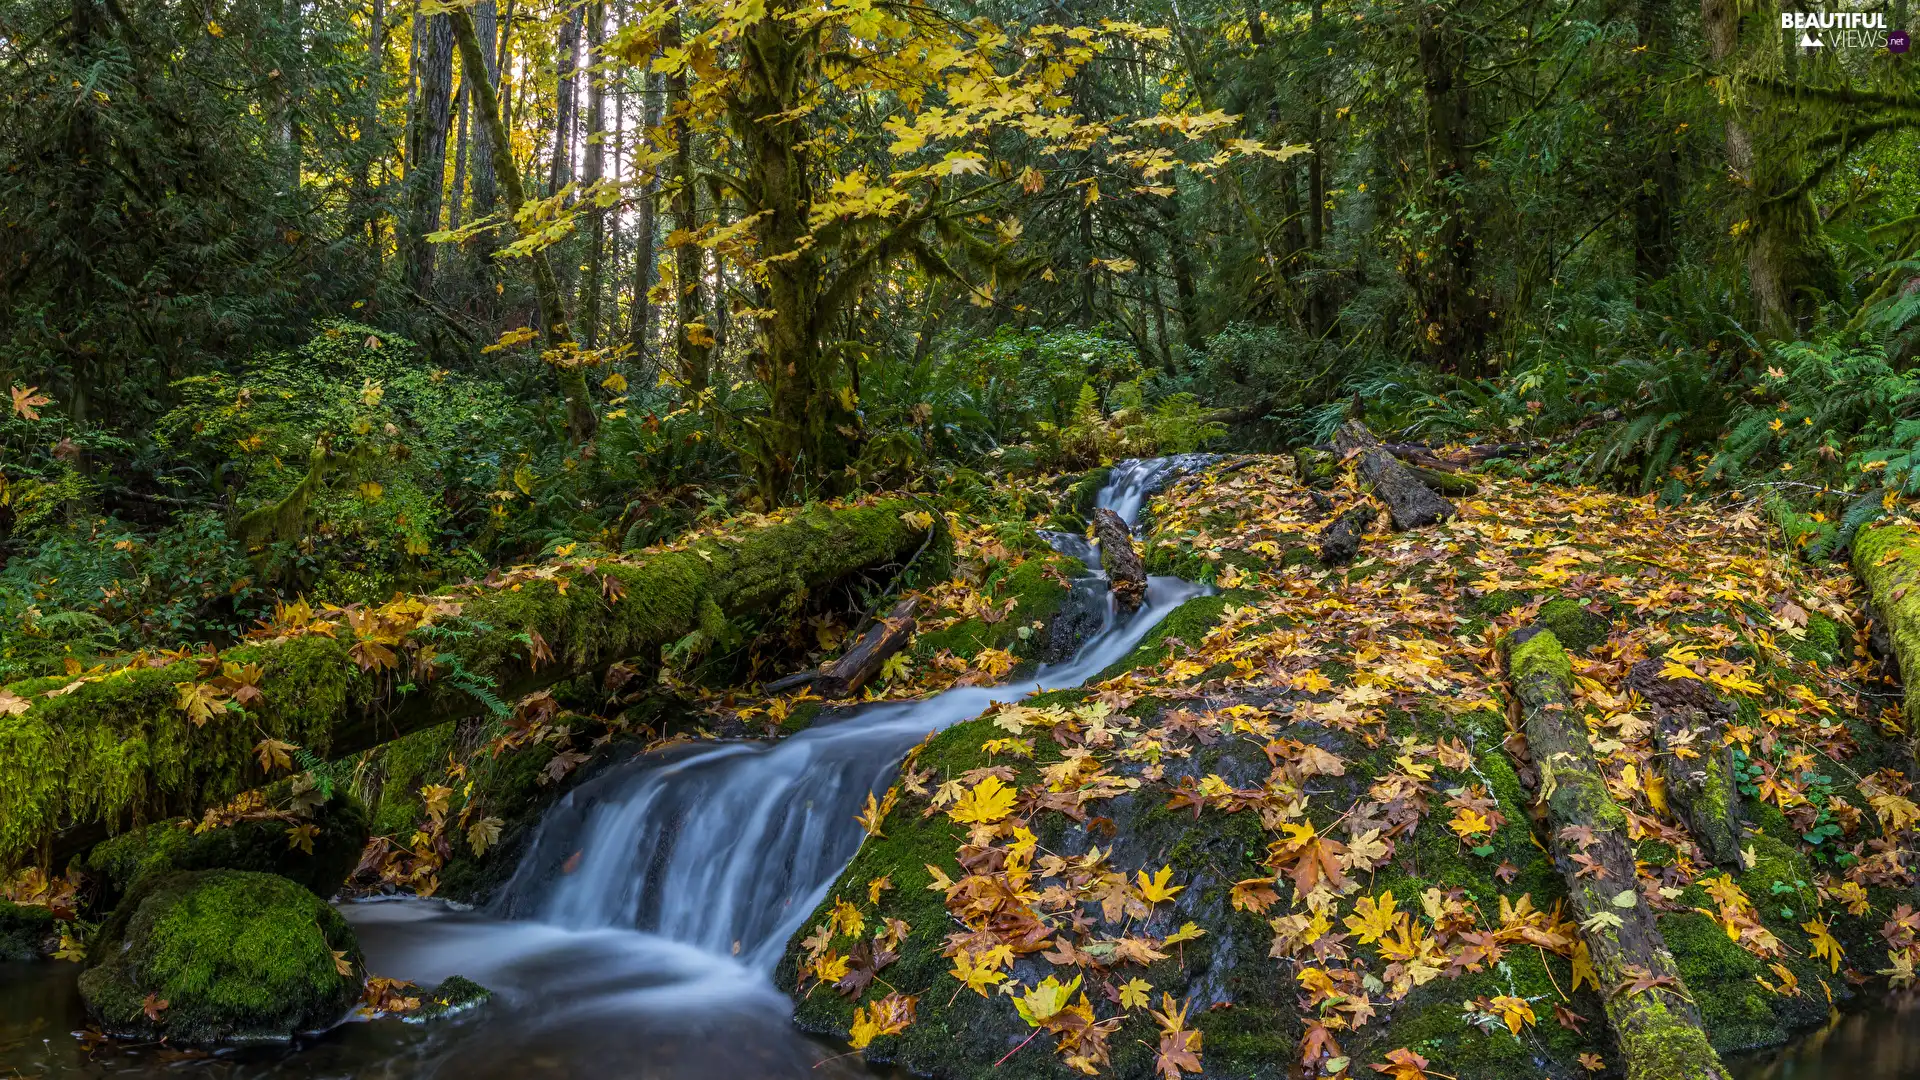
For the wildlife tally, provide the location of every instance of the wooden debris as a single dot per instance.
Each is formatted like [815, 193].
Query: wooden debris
[1126, 574]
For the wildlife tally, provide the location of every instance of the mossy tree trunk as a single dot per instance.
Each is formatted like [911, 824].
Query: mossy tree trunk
[1651, 1013]
[80, 758]
[1888, 561]
[582, 422]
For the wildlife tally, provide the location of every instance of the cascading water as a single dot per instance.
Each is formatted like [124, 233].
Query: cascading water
[728, 847]
[639, 932]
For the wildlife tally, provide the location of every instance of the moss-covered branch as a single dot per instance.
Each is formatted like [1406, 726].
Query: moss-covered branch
[1652, 1014]
[1888, 561]
[90, 755]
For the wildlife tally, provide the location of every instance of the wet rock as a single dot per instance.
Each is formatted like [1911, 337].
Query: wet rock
[221, 956]
[455, 994]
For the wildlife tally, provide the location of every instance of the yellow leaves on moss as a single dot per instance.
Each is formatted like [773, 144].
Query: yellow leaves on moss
[890, 1015]
[987, 802]
[979, 971]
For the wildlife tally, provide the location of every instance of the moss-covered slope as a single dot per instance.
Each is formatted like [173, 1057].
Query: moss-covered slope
[1296, 833]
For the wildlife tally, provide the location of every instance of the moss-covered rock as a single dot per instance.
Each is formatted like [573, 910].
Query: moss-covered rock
[27, 933]
[269, 845]
[1577, 625]
[234, 956]
[455, 994]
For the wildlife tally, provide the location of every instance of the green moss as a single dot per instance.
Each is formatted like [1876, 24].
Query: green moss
[26, 931]
[1188, 623]
[237, 956]
[403, 766]
[1736, 1011]
[1540, 654]
[262, 846]
[455, 994]
[1822, 645]
[1037, 596]
[1577, 628]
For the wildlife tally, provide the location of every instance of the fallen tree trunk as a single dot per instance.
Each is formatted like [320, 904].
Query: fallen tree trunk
[1411, 503]
[1689, 721]
[167, 735]
[1888, 562]
[1126, 574]
[1340, 541]
[1652, 1015]
[857, 666]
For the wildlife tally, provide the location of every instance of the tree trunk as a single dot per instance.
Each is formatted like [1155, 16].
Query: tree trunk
[456, 194]
[486, 27]
[1340, 541]
[1126, 574]
[427, 150]
[1888, 562]
[334, 694]
[1657, 1026]
[1411, 503]
[1789, 269]
[595, 168]
[1689, 719]
[1453, 320]
[692, 342]
[565, 105]
[581, 421]
[646, 232]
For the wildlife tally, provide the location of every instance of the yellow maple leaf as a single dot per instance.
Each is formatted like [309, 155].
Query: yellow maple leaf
[1469, 823]
[1044, 1002]
[988, 802]
[1187, 932]
[1373, 917]
[1133, 993]
[1825, 947]
[1155, 889]
[1514, 1011]
[976, 976]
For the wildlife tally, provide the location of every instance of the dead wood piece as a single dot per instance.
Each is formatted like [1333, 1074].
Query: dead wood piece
[1412, 504]
[1126, 574]
[1689, 718]
[1653, 1016]
[1340, 541]
[843, 677]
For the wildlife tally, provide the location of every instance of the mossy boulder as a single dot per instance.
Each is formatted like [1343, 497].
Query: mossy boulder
[26, 933]
[266, 845]
[454, 994]
[236, 957]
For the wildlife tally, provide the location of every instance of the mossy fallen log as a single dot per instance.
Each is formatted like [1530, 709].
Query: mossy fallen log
[1888, 562]
[163, 736]
[1410, 502]
[1650, 1010]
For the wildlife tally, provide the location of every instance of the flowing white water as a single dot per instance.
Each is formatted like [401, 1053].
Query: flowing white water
[728, 847]
[639, 932]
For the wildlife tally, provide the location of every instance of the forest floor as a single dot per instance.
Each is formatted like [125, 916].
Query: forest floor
[1296, 826]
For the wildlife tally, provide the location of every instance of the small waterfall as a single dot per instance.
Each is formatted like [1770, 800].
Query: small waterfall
[729, 847]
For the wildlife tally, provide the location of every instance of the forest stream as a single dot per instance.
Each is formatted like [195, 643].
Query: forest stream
[639, 933]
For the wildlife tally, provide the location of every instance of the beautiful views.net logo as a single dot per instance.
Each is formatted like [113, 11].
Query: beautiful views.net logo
[1844, 30]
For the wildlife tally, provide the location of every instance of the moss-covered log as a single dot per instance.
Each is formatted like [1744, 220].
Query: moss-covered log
[1888, 561]
[160, 737]
[1411, 503]
[1652, 1015]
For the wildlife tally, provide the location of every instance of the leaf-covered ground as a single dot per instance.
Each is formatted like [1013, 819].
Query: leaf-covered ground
[1292, 827]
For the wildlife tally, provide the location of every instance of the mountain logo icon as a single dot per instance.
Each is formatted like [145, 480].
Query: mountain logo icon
[1808, 41]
